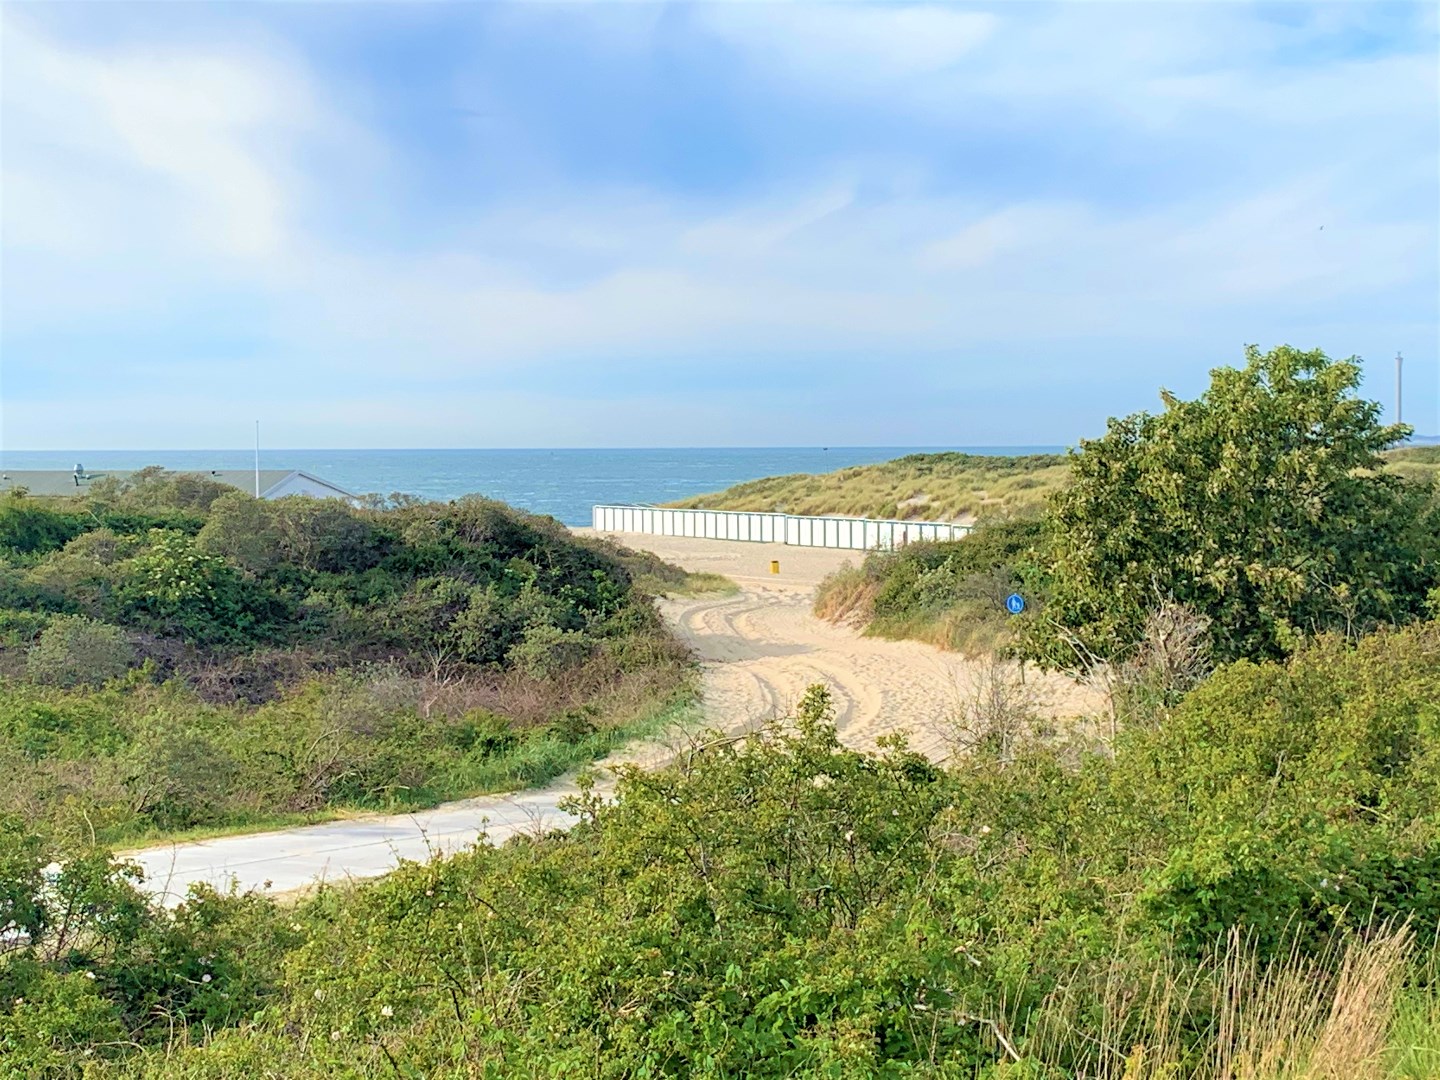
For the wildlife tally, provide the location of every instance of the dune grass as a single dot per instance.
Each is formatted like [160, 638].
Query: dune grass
[925, 487]
[947, 486]
[1418, 463]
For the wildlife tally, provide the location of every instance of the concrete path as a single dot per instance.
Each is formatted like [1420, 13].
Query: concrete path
[280, 862]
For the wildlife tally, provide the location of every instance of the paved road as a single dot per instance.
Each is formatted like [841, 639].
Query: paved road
[279, 862]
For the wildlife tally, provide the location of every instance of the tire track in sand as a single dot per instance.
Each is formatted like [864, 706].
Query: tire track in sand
[762, 648]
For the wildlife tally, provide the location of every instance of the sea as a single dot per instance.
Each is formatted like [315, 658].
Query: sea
[564, 484]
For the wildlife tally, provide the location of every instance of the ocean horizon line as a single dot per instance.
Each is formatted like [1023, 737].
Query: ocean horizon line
[521, 449]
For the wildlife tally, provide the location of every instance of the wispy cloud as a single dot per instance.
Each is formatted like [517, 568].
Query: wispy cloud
[925, 186]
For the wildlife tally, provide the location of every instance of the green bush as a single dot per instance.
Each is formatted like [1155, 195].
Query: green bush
[781, 906]
[27, 527]
[243, 529]
[21, 627]
[74, 650]
[174, 588]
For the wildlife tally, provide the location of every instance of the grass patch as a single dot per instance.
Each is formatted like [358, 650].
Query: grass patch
[546, 755]
[1420, 464]
[922, 487]
[533, 762]
[703, 584]
[950, 594]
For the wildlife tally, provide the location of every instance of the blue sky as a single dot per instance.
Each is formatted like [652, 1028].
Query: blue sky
[720, 224]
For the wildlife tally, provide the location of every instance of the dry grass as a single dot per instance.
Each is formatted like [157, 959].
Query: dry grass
[948, 487]
[847, 596]
[1417, 463]
[1338, 1016]
[929, 487]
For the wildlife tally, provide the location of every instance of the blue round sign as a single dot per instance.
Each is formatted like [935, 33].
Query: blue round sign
[1015, 603]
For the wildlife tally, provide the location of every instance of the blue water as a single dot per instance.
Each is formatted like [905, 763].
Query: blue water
[562, 483]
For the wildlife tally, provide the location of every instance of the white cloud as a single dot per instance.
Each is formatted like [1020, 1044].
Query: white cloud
[140, 185]
[192, 145]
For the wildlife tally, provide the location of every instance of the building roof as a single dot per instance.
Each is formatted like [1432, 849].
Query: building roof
[62, 481]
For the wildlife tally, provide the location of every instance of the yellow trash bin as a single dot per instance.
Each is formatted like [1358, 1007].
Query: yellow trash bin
[774, 566]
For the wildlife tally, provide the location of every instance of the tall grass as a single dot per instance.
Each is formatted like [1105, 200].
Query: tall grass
[1365, 1009]
[931, 487]
[1417, 463]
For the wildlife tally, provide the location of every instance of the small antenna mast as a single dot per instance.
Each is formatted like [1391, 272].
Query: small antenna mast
[1399, 410]
[257, 459]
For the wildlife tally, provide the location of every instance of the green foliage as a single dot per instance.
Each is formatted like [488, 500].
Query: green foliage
[174, 588]
[780, 906]
[244, 530]
[103, 970]
[73, 649]
[325, 535]
[951, 593]
[21, 627]
[154, 490]
[1350, 736]
[135, 761]
[26, 527]
[1259, 505]
[315, 657]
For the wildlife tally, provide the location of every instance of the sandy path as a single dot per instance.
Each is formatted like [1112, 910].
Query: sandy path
[759, 651]
[762, 649]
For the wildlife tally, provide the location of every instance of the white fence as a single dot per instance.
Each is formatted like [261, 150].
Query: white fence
[860, 534]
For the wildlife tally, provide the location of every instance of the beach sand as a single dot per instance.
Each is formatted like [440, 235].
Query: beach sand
[759, 651]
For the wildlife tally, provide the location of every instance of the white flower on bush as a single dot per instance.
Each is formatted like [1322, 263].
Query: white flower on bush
[205, 978]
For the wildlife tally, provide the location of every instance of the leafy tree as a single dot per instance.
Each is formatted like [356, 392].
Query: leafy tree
[73, 650]
[1260, 505]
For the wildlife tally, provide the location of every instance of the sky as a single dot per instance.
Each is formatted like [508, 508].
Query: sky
[767, 224]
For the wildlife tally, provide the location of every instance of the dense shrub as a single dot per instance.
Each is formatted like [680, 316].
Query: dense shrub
[174, 588]
[73, 649]
[26, 527]
[244, 530]
[317, 657]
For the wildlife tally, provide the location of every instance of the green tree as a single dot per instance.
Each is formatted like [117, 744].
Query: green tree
[1260, 505]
